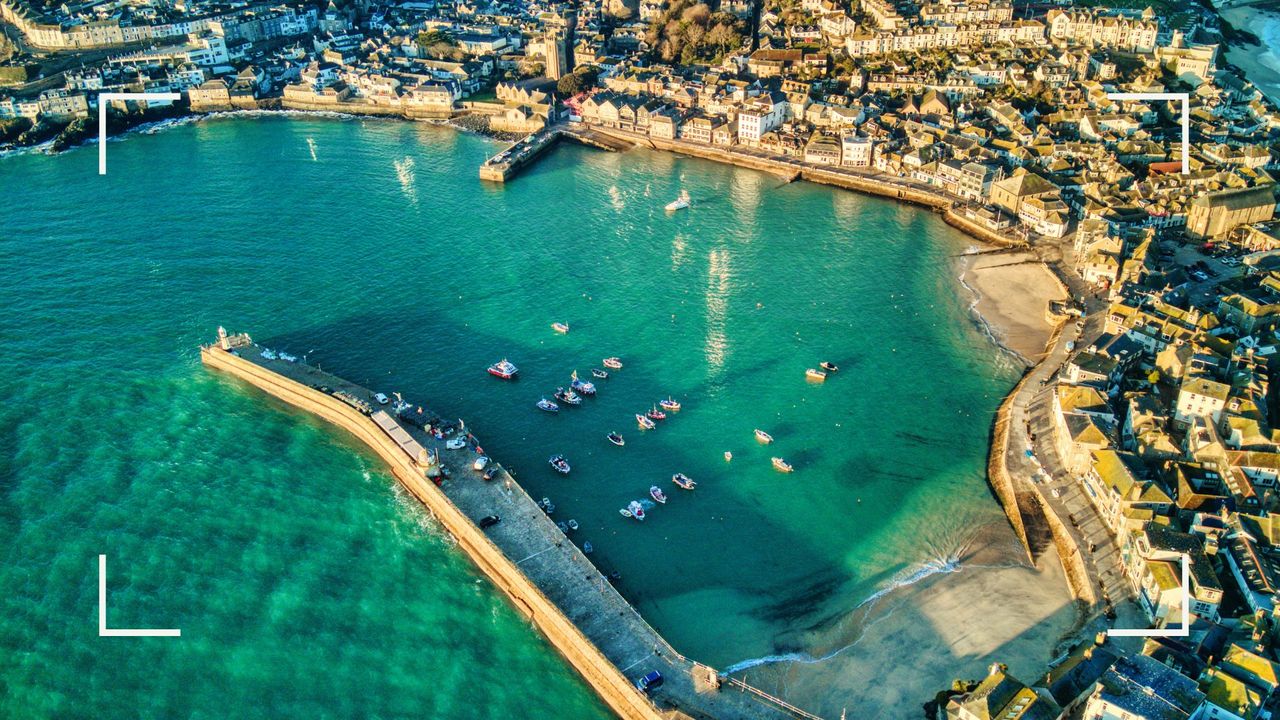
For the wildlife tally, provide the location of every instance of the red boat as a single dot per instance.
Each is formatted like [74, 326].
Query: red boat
[504, 369]
[656, 414]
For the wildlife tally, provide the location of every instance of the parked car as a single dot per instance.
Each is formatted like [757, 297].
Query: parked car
[382, 399]
[456, 443]
[650, 682]
[481, 463]
[489, 521]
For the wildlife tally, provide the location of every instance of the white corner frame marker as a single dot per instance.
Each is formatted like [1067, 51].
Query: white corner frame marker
[1184, 631]
[1185, 99]
[103, 630]
[105, 99]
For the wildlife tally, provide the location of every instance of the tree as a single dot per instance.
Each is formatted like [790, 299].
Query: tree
[589, 74]
[568, 85]
[723, 37]
[699, 14]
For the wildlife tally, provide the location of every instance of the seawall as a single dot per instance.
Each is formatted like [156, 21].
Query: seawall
[998, 476]
[357, 107]
[1024, 503]
[613, 688]
[804, 171]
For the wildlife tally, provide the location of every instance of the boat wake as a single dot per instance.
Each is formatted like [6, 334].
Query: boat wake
[408, 178]
[615, 197]
[311, 145]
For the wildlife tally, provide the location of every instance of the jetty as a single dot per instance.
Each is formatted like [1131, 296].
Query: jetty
[508, 163]
[544, 575]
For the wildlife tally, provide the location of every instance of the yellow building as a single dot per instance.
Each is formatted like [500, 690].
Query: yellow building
[1215, 214]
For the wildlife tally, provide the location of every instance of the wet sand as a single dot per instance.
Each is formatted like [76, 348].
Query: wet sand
[948, 625]
[1261, 64]
[1012, 292]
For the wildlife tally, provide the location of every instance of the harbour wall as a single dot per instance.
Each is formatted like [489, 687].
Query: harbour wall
[356, 107]
[969, 227]
[871, 186]
[998, 475]
[1023, 501]
[608, 682]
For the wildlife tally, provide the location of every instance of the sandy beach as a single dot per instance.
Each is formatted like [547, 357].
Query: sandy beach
[1260, 64]
[946, 626]
[1012, 291]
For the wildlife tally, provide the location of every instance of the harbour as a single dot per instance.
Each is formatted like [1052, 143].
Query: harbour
[692, 302]
[546, 577]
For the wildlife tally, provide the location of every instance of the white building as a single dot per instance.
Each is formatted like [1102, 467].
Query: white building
[856, 151]
[760, 115]
[1200, 397]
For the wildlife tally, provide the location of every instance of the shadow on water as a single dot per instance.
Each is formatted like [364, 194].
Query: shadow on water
[813, 608]
[366, 349]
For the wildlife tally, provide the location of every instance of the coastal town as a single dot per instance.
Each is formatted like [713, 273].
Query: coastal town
[1143, 439]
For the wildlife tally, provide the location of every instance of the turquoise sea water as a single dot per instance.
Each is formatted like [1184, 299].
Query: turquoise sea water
[303, 581]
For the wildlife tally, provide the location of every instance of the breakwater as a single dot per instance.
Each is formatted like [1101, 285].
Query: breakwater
[526, 556]
[507, 163]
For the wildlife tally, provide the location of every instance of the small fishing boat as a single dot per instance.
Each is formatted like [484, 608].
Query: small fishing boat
[616, 439]
[656, 414]
[670, 404]
[568, 397]
[503, 369]
[763, 436]
[782, 465]
[573, 524]
[828, 366]
[658, 496]
[599, 374]
[815, 375]
[564, 529]
[582, 386]
[548, 406]
[624, 512]
[586, 548]
[645, 423]
[680, 203]
[546, 506]
[560, 327]
[612, 363]
[683, 481]
[559, 464]
[728, 456]
[636, 510]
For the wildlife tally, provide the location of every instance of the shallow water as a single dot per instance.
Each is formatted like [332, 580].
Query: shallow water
[284, 552]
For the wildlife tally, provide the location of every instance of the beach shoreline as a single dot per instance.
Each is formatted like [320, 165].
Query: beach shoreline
[1260, 62]
[1012, 290]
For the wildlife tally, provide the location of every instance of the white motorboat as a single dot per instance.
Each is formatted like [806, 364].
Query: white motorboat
[680, 203]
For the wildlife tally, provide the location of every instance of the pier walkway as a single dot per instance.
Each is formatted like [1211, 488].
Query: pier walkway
[533, 548]
[506, 164]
